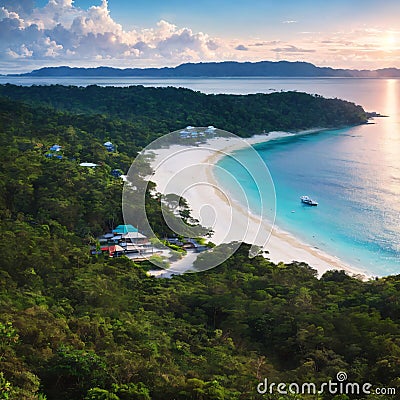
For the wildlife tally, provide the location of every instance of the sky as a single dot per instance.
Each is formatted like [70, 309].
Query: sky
[357, 34]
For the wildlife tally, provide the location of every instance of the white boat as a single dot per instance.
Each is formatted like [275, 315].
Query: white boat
[307, 200]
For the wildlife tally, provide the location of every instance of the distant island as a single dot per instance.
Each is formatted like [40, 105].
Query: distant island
[218, 70]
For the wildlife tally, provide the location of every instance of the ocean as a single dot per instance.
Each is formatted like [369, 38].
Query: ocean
[353, 173]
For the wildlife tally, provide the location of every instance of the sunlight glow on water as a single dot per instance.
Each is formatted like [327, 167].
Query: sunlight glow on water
[354, 174]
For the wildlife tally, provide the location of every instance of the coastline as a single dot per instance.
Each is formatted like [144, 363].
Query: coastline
[282, 246]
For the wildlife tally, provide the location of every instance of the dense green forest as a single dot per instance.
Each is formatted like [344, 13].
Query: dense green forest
[162, 110]
[76, 327]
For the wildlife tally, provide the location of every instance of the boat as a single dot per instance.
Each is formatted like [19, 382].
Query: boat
[309, 201]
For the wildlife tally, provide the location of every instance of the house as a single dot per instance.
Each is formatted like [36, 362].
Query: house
[116, 173]
[125, 239]
[136, 243]
[55, 147]
[109, 146]
[184, 134]
[120, 235]
[210, 130]
[123, 229]
[135, 237]
[115, 251]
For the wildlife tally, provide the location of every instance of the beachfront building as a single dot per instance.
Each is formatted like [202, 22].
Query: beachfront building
[184, 134]
[126, 240]
[190, 132]
[210, 130]
[123, 229]
[137, 243]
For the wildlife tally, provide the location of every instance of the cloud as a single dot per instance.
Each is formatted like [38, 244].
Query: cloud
[292, 49]
[266, 43]
[241, 47]
[21, 7]
[290, 21]
[63, 32]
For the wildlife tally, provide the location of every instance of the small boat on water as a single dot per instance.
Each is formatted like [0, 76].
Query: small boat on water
[307, 200]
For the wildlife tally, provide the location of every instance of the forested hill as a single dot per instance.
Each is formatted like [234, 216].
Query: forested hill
[167, 109]
[220, 69]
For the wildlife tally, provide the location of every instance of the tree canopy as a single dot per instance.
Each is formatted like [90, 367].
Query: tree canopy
[80, 327]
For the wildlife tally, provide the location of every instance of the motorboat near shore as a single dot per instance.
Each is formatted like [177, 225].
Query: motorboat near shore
[309, 201]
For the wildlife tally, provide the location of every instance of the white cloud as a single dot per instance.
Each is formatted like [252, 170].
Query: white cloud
[241, 47]
[60, 31]
[23, 52]
[292, 49]
[4, 13]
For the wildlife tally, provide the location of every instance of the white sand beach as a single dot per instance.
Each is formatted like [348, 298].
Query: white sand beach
[189, 172]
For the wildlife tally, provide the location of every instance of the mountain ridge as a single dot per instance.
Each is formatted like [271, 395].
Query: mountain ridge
[218, 70]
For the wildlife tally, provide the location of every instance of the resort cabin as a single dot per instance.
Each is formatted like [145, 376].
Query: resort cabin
[109, 146]
[116, 173]
[184, 134]
[55, 147]
[126, 239]
[124, 229]
[115, 251]
[135, 237]
[189, 132]
[135, 242]
[210, 130]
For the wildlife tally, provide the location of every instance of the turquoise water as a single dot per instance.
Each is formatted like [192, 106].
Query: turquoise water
[357, 217]
[354, 174]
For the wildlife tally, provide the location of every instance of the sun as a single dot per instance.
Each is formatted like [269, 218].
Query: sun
[389, 41]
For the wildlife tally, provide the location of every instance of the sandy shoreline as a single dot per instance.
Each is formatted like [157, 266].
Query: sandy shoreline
[188, 171]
